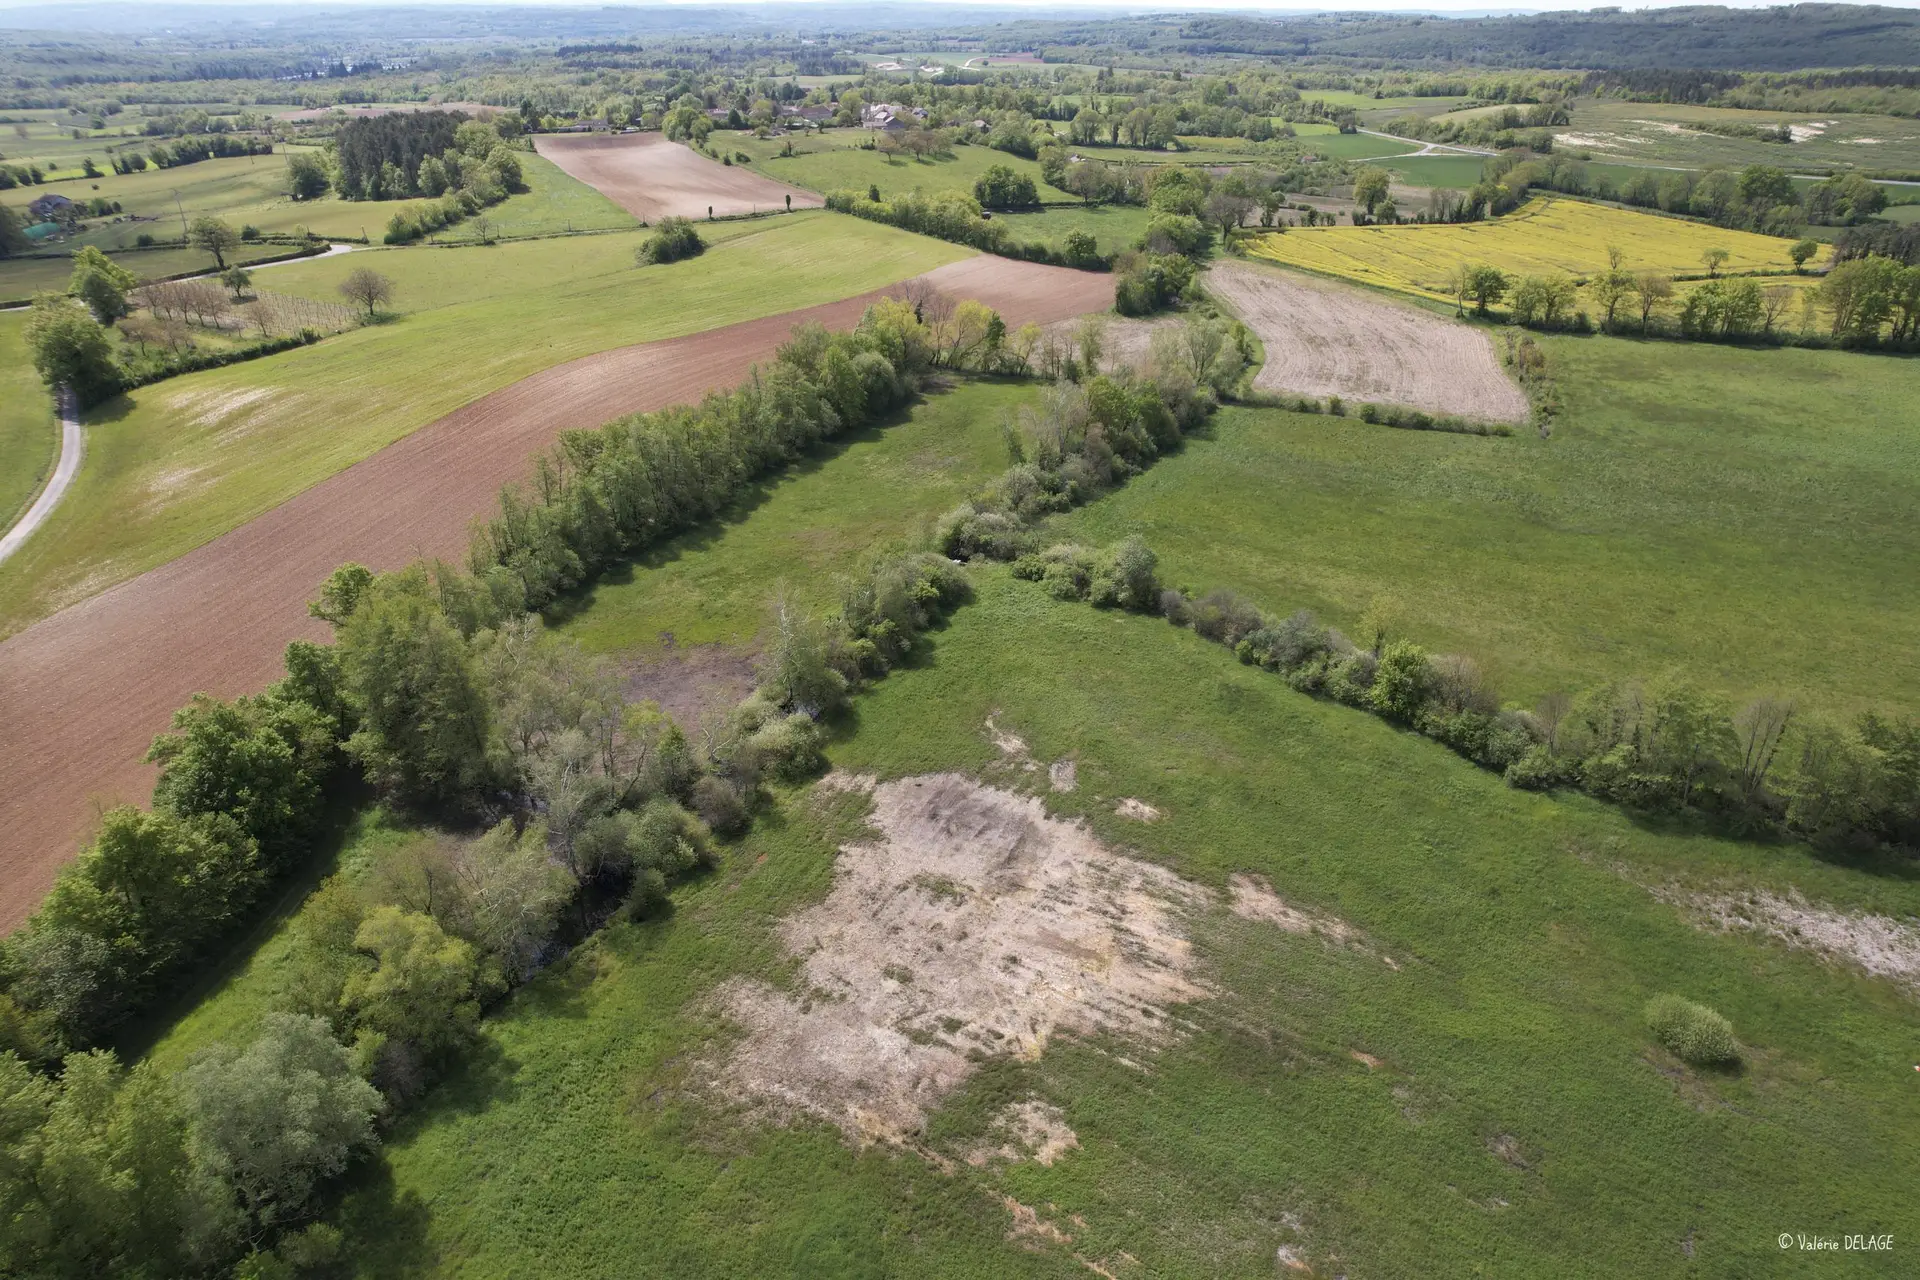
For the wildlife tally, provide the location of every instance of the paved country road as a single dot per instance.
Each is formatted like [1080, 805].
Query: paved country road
[73, 447]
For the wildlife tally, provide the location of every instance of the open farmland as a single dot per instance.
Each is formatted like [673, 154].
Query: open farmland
[1699, 509]
[28, 437]
[1325, 340]
[216, 618]
[173, 465]
[878, 488]
[1256, 1116]
[1113, 226]
[652, 178]
[1655, 131]
[1544, 235]
[832, 167]
[252, 191]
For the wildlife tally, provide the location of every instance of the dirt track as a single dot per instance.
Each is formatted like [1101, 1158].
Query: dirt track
[652, 178]
[1326, 339]
[82, 693]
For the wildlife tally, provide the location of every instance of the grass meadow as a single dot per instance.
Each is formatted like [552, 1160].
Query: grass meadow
[1697, 507]
[1656, 131]
[833, 168]
[252, 190]
[29, 437]
[1515, 1119]
[805, 530]
[1113, 226]
[1545, 235]
[174, 465]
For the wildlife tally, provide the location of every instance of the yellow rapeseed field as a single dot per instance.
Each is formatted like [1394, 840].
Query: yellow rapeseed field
[1544, 236]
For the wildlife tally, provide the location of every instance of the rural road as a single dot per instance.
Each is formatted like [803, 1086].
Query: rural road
[83, 692]
[73, 447]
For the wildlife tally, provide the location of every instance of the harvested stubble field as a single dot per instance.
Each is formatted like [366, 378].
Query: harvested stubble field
[1323, 339]
[1543, 236]
[653, 178]
[85, 690]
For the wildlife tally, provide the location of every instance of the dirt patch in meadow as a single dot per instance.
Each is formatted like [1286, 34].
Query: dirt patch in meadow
[653, 178]
[1881, 946]
[1324, 339]
[1124, 343]
[690, 682]
[971, 925]
[83, 692]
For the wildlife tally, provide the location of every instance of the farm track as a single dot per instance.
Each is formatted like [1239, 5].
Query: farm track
[83, 692]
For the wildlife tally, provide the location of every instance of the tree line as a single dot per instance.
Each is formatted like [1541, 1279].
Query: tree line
[1656, 745]
[441, 690]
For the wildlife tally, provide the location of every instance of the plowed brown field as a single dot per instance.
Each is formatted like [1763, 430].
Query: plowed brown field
[82, 693]
[652, 178]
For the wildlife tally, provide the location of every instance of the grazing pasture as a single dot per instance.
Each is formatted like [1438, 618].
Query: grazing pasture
[1493, 1056]
[1113, 226]
[1322, 339]
[29, 438]
[216, 618]
[653, 178]
[804, 531]
[1545, 235]
[832, 167]
[1699, 509]
[1657, 131]
[182, 461]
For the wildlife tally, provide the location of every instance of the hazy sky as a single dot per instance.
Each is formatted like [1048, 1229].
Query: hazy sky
[1055, 6]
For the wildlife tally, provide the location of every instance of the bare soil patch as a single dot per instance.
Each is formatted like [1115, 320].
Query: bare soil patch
[1033, 1130]
[653, 178]
[82, 693]
[972, 924]
[1324, 339]
[1879, 945]
[691, 682]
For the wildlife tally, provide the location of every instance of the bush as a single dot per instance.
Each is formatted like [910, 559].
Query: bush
[675, 239]
[1694, 1033]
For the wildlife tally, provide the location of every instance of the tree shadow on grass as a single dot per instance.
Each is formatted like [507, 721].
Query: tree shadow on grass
[384, 1228]
[137, 1037]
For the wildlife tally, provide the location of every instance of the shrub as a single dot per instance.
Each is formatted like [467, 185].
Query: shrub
[1402, 682]
[1694, 1033]
[1225, 617]
[675, 239]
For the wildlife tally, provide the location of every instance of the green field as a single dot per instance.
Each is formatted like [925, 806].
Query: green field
[1457, 172]
[803, 531]
[1697, 507]
[1113, 226]
[29, 438]
[179, 463]
[21, 278]
[1358, 146]
[252, 191]
[833, 168]
[582, 1140]
[1615, 130]
[1338, 98]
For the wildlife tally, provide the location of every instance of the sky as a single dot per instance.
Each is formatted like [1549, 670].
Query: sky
[1025, 8]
